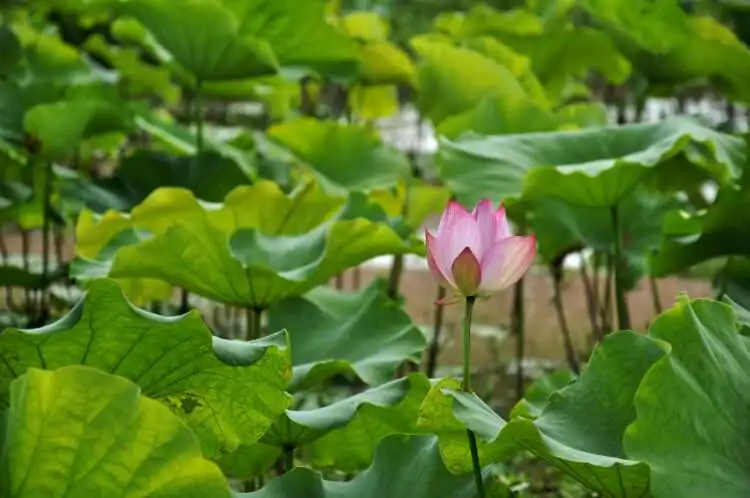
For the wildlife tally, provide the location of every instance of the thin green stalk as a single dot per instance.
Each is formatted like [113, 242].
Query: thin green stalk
[623, 316]
[470, 300]
[46, 219]
[199, 117]
[591, 301]
[655, 297]
[288, 459]
[518, 326]
[254, 318]
[570, 350]
[437, 328]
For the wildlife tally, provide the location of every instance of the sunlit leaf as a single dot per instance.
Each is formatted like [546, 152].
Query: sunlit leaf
[89, 433]
[174, 360]
[258, 247]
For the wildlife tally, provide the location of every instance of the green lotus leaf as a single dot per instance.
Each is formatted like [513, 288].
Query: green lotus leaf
[689, 239]
[61, 125]
[205, 37]
[655, 26]
[365, 25]
[210, 177]
[404, 467]
[689, 404]
[362, 333]
[258, 247]
[299, 35]
[348, 156]
[580, 429]
[563, 228]
[342, 435]
[383, 62]
[139, 78]
[538, 394]
[174, 360]
[452, 80]
[594, 167]
[559, 54]
[382, 411]
[436, 415]
[84, 432]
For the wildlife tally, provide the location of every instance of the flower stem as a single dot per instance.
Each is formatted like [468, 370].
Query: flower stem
[623, 318]
[467, 388]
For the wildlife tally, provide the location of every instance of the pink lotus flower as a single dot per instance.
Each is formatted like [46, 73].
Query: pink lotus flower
[475, 254]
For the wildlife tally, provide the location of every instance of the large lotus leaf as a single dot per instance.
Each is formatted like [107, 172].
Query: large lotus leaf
[61, 125]
[137, 77]
[205, 37]
[83, 432]
[555, 53]
[351, 447]
[563, 228]
[299, 34]
[365, 25]
[691, 403]
[383, 62]
[593, 167]
[404, 467]
[348, 156]
[335, 332]
[453, 80]
[721, 230]
[654, 25]
[581, 428]
[342, 435]
[559, 54]
[436, 416]
[256, 248]
[210, 176]
[174, 360]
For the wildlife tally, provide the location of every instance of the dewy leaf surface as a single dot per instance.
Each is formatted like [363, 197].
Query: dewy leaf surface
[591, 167]
[404, 467]
[83, 432]
[174, 360]
[692, 405]
[256, 248]
[334, 332]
